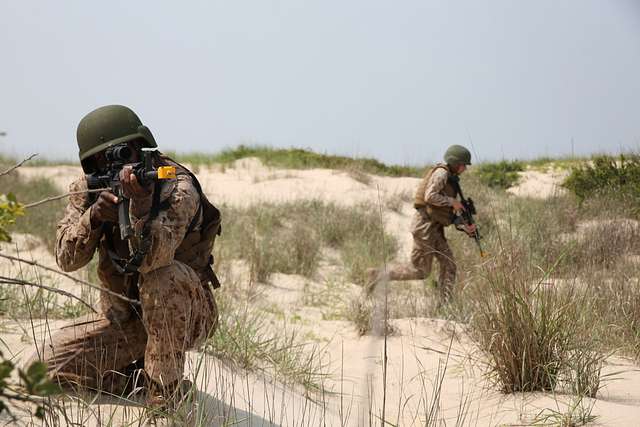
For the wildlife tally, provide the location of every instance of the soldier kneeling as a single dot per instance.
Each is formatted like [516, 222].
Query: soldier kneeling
[163, 261]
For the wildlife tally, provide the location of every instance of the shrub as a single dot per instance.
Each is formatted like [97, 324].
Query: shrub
[503, 174]
[35, 386]
[606, 175]
[539, 225]
[10, 209]
[357, 233]
[296, 158]
[534, 335]
[41, 220]
[272, 239]
[288, 237]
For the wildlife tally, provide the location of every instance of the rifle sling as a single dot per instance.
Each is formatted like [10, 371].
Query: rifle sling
[131, 265]
[455, 182]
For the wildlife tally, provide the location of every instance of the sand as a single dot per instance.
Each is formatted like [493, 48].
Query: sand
[540, 184]
[419, 353]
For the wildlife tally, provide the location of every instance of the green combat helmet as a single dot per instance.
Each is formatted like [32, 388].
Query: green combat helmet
[107, 126]
[457, 155]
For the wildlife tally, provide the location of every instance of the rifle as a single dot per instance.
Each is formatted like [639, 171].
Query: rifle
[117, 157]
[466, 216]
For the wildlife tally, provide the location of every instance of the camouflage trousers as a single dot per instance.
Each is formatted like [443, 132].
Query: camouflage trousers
[429, 242]
[178, 314]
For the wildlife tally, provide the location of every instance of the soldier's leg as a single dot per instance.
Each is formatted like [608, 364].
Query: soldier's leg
[399, 271]
[421, 253]
[93, 353]
[425, 247]
[178, 313]
[113, 308]
[446, 263]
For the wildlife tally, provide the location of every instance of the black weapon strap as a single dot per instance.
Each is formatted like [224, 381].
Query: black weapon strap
[121, 264]
[458, 220]
[133, 263]
[145, 239]
[455, 182]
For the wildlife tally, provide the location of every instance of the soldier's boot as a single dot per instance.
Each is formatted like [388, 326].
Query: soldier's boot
[395, 272]
[406, 272]
[373, 277]
[163, 400]
[137, 382]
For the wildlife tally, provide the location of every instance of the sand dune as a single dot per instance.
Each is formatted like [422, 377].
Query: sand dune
[540, 184]
[420, 352]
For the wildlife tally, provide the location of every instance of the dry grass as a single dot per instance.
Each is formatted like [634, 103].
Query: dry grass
[289, 237]
[41, 221]
[558, 294]
[533, 335]
[247, 340]
[396, 201]
[360, 176]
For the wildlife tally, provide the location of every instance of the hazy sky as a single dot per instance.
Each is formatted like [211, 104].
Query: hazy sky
[399, 80]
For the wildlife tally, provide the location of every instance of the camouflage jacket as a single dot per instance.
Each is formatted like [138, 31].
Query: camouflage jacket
[77, 240]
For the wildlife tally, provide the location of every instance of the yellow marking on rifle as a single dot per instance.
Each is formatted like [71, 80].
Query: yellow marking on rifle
[166, 172]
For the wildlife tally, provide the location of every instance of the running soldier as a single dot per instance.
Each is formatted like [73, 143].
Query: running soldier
[436, 207]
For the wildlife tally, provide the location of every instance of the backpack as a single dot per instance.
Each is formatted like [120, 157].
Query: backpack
[197, 246]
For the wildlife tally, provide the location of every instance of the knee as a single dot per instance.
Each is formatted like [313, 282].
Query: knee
[166, 283]
[169, 275]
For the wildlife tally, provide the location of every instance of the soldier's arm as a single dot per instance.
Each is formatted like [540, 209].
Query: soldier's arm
[168, 229]
[433, 193]
[76, 240]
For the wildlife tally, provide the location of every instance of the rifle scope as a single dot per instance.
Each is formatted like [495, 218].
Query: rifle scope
[119, 153]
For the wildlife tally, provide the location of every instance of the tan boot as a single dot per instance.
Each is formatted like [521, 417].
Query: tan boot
[163, 400]
[374, 276]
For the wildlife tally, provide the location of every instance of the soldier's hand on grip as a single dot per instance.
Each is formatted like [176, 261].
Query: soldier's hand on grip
[130, 185]
[470, 229]
[105, 209]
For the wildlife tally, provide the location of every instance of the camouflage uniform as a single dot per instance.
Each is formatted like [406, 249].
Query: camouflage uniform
[177, 310]
[429, 241]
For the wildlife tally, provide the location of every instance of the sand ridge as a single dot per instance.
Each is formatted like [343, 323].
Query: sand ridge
[540, 184]
[418, 351]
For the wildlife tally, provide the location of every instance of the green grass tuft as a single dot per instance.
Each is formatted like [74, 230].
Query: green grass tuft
[503, 174]
[534, 334]
[39, 221]
[246, 339]
[297, 158]
[289, 237]
[607, 175]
